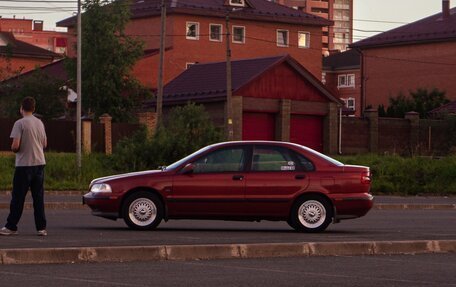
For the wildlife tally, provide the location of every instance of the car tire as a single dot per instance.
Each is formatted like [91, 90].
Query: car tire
[311, 214]
[142, 211]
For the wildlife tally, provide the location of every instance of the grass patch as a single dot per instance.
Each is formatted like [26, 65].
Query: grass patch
[392, 175]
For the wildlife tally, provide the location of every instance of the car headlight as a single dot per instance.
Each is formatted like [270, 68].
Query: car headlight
[101, 187]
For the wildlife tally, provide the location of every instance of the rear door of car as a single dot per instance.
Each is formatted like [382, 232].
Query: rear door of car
[215, 187]
[275, 176]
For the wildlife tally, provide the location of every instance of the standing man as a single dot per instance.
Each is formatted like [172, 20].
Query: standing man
[29, 142]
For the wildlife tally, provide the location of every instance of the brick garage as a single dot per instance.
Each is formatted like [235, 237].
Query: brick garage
[274, 98]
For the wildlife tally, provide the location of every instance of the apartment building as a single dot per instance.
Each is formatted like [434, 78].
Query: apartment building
[336, 37]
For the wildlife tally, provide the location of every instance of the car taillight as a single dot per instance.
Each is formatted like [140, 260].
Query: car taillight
[366, 177]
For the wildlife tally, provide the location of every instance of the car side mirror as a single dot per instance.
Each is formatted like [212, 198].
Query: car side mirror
[188, 168]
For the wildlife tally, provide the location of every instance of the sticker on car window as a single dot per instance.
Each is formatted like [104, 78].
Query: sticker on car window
[287, 167]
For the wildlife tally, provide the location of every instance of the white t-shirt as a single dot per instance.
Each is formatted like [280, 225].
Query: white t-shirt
[30, 131]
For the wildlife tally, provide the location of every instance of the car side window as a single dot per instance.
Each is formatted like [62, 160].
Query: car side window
[306, 164]
[225, 160]
[272, 159]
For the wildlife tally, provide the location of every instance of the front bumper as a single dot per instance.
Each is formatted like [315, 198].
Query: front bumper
[103, 205]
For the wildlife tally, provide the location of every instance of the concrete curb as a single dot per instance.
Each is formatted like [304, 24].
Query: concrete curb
[220, 251]
[378, 206]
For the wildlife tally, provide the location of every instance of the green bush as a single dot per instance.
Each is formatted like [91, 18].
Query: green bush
[409, 176]
[188, 129]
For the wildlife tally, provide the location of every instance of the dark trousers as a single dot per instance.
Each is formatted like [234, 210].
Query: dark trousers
[26, 177]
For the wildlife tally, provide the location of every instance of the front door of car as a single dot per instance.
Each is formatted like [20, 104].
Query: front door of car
[276, 175]
[211, 186]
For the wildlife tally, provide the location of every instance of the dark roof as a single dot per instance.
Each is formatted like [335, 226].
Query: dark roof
[55, 69]
[449, 108]
[350, 59]
[22, 49]
[259, 10]
[207, 82]
[430, 29]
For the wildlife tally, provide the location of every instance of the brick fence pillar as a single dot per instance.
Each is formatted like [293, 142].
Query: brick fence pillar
[106, 120]
[87, 136]
[237, 117]
[414, 119]
[372, 116]
[283, 123]
[149, 119]
[331, 129]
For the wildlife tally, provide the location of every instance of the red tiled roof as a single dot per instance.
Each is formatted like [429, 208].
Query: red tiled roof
[259, 10]
[207, 82]
[18, 48]
[430, 29]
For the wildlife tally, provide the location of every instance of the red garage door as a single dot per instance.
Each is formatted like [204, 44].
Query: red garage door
[258, 126]
[307, 130]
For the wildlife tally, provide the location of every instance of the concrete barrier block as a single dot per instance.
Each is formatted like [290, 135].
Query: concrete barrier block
[196, 252]
[401, 247]
[273, 250]
[341, 248]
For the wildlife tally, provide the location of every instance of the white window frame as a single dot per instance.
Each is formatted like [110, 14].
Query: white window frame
[197, 25]
[307, 44]
[220, 35]
[346, 81]
[241, 4]
[347, 105]
[243, 36]
[287, 38]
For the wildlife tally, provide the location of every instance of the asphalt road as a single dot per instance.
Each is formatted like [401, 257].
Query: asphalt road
[398, 270]
[78, 228]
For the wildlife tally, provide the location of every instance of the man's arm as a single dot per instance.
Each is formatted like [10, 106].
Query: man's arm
[16, 145]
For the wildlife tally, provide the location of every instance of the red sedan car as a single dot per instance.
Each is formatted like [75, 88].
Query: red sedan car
[248, 180]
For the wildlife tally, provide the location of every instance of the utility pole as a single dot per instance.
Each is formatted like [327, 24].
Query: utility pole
[229, 105]
[161, 64]
[79, 89]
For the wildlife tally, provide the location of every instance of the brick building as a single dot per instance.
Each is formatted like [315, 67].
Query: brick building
[342, 76]
[417, 55]
[31, 32]
[196, 33]
[18, 56]
[336, 37]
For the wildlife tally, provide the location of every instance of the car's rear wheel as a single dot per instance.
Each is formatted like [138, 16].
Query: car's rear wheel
[311, 214]
[142, 211]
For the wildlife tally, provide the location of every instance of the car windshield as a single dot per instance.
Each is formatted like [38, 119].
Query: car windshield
[181, 161]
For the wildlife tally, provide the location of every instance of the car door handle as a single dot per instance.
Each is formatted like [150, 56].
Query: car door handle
[238, 177]
[300, 176]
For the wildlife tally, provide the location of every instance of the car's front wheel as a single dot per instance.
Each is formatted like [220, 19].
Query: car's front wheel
[311, 214]
[142, 211]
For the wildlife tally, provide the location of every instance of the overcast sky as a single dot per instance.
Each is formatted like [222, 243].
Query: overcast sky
[400, 11]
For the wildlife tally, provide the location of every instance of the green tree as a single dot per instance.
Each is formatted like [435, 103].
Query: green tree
[425, 101]
[46, 90]
[108, 56]
[188, 128]
[421, 101]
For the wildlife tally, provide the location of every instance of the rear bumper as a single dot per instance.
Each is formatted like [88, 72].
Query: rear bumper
[349, 206]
